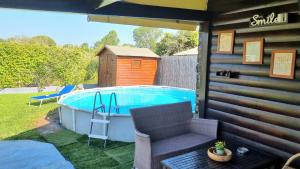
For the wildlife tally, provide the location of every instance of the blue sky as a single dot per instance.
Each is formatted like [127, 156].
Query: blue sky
[64, 28]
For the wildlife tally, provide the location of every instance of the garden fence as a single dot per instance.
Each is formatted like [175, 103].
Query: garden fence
[177, 71]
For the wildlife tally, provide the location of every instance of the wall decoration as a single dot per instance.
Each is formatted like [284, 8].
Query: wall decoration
[253, 51]
[228, 74]
[283, 63]
[225, 42]
[271, 19]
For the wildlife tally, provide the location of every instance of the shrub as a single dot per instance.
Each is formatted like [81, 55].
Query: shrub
[24, 64]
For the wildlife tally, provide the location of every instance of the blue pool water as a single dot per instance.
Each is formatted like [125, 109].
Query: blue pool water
[130, 97]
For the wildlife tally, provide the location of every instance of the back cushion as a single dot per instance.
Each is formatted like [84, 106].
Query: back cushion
[163, 121]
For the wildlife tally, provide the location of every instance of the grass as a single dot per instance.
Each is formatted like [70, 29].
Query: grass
[16, 116]
[18, 121]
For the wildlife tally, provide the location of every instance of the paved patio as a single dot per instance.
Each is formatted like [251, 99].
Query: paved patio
[28, 154]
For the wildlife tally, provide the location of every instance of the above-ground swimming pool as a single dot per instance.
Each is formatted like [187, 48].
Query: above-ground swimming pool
[76, 108]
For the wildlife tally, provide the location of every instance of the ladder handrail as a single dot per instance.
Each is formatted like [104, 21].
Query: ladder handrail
[102, 107]
[113, 95]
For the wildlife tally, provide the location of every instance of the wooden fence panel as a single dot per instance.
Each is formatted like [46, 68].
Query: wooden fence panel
[177, 71]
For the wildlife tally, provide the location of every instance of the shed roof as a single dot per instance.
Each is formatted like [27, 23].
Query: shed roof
[193, 51]
[130, 51]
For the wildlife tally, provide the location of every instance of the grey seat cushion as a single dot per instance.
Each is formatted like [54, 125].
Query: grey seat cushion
[179, 143]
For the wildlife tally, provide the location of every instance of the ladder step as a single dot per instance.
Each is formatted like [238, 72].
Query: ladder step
[99, 121]
[98, 136]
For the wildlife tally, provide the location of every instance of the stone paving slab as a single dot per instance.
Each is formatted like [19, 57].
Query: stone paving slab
[28, 154]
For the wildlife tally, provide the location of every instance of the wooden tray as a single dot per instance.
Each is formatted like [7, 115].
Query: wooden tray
[224, 158]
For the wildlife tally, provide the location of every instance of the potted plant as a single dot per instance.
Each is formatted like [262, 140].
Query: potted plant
[220, 147]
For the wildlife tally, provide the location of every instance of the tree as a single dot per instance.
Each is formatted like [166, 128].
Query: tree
[2, 40]
[167, 45]
[84, 45]
[42, 40]
[181, 41]
[128, 45]
[19, 39]
[145, 37]
[110, 39]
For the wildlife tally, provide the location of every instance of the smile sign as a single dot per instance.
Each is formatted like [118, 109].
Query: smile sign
[271, 19]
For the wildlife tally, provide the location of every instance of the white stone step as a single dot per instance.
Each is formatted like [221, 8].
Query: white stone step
[98, 136]
[99, 121]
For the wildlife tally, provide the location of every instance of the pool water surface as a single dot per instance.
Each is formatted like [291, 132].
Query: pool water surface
[129, 97]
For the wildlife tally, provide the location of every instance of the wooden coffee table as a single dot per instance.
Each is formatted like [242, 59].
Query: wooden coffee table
[199, 159]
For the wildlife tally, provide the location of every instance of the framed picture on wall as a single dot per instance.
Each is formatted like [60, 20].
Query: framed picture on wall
[283, 63]
[253, 51]
[225, 42]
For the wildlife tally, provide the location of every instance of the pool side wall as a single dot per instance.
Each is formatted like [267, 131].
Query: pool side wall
[120, 128]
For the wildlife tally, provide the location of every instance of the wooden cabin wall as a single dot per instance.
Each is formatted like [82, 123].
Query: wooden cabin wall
[127, 75]
[256, 108]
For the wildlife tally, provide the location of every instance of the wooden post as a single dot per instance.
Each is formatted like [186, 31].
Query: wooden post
[202, 68]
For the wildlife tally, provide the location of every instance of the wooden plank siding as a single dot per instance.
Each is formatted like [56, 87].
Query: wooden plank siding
[256, 108]
[117, 70]
[145, 75]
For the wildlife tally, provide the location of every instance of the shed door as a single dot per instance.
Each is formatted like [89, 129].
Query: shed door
[109, 70]
[106, 70]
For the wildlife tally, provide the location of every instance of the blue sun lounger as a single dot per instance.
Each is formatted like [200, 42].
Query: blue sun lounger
[67, 89]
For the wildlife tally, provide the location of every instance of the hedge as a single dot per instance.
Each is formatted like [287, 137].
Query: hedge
[40, 65]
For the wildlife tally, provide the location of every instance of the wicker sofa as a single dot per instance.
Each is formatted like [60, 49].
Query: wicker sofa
[168, 130]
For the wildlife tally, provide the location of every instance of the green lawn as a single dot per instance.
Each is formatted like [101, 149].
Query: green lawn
[18, 121]
[16, 116]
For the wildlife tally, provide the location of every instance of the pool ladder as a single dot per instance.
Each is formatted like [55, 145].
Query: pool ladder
[106, 119]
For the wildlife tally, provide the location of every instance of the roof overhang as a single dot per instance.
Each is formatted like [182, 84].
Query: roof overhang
[116, 8]
[166, 7]
[158, 23]
[180, 4]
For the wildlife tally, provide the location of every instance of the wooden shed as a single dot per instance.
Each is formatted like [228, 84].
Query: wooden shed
[126, 66]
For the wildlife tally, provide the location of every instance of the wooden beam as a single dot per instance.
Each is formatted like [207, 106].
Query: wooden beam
[144, 11]
[114, 9]
[75, 6]
[203, 62]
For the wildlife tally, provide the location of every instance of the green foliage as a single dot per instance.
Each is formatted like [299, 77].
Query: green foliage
[91, 70]
[42, 40]
[167, 45]
[19, 63]
[19, 39]
[220, 145]
[24, 64]
[128, 45]
[110, 39]
[146, 37]
[85, 46]
[68, 65]
[181, 41]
